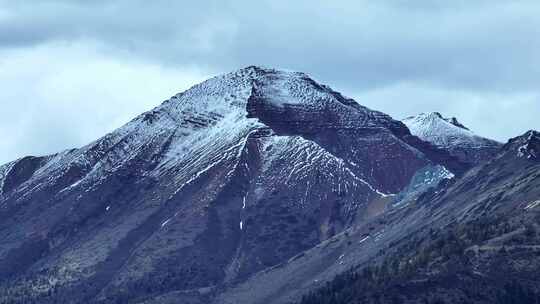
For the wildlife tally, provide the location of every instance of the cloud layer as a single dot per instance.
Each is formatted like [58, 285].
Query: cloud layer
[72, 70]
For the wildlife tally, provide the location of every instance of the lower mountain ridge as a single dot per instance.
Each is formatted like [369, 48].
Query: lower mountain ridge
[450, 134]
[262, 186]
[475, 240]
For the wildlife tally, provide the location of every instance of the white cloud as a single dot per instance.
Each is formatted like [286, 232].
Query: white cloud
[62, 95]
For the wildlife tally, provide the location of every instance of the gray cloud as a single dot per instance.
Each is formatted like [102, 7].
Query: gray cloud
[471, 59]
[365, 44]
[60, 96]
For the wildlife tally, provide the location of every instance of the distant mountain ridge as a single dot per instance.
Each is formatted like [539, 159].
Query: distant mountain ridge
[450, 134]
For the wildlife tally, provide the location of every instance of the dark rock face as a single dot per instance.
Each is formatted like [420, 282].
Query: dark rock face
[235, 176]
[473, 239]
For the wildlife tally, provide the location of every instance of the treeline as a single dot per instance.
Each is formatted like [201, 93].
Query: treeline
[435, 269]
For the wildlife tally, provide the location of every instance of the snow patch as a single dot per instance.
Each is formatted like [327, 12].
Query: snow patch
[165, 223]
[532, 205]
[364, 239]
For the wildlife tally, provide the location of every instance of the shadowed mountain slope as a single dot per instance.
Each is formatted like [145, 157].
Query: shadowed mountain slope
[226, 180]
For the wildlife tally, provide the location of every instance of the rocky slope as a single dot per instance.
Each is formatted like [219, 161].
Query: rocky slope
[207, 197]
[477, 241]
[450, 134]
[473, 239]
[235, 175]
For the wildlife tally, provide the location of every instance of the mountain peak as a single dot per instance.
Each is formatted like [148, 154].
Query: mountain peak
[435, 116]
[241, 83]
[274, 96]
[441, 131]
[261, 69]
[450, 134]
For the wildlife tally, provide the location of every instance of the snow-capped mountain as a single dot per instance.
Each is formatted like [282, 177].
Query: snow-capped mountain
[450, 134]
[234, 176]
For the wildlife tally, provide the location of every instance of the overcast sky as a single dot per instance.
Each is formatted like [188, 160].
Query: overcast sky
[72, 70]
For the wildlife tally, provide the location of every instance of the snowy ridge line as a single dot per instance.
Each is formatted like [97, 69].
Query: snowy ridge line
[444, 132]
[62, 161]
[222, 97]
[53, 162]
[35, 176]
[312, 155]
[241, 145]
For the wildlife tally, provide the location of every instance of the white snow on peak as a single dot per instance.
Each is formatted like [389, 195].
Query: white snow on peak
[220, 93]
[188, 131]
[201, 128]
[444, 132]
